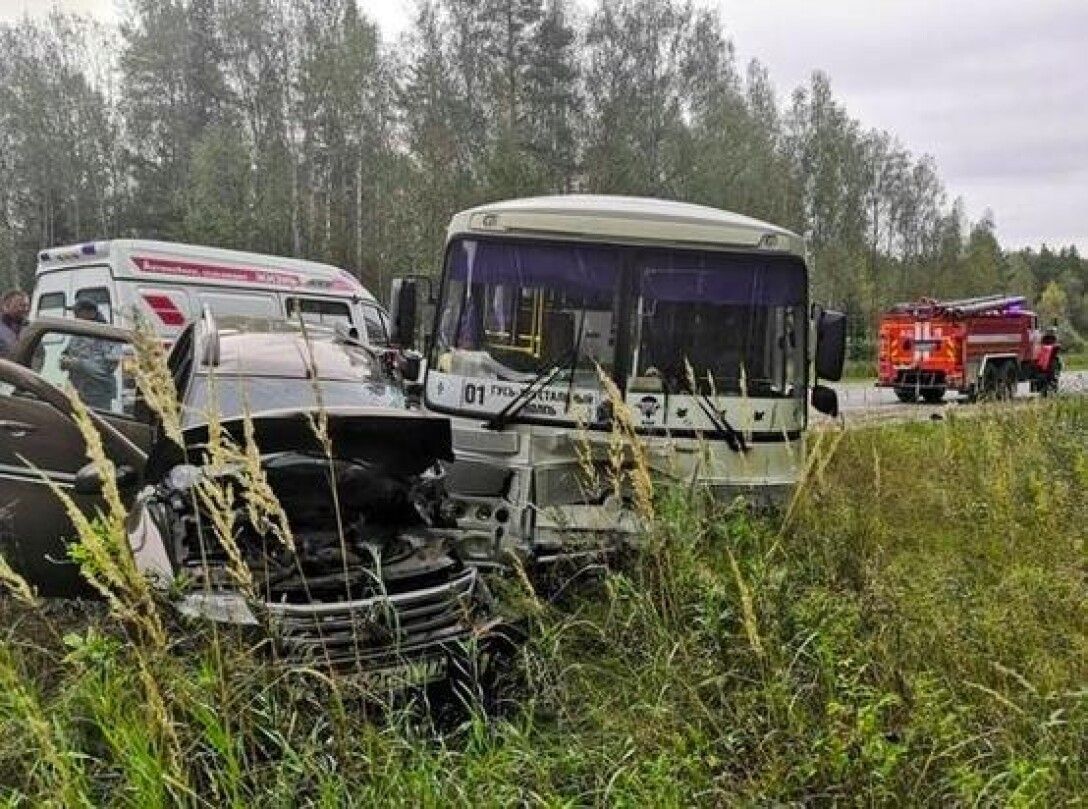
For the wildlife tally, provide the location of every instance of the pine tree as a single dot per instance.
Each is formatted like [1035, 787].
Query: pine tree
[554, 102]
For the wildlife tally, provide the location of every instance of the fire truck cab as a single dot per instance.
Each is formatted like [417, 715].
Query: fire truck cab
[977, 347]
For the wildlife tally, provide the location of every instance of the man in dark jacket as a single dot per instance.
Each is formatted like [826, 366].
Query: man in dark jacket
[91, 362]
[14, 307]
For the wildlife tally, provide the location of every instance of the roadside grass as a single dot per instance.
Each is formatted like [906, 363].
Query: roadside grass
[859, 370]
[915, 632]
[1075, 362]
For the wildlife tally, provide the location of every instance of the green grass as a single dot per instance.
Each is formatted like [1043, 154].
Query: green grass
[1075, 362]
[859, 370]
[916, 634]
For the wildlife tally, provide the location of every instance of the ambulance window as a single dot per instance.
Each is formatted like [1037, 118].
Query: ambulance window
[316, 310]
[377, 327]
[51, 304]
[100, 297]
[222, 303]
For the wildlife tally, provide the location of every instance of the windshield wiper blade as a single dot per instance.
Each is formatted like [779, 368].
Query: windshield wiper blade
[518, 403]
[733, 438]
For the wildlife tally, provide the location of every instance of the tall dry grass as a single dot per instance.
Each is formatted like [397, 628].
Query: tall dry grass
[916, 634]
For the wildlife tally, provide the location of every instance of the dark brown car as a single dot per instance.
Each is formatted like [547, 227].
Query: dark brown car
[41, 444]
[369, 579]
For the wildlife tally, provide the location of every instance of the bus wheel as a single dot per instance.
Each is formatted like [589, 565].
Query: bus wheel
[905, 394]
[933, 395]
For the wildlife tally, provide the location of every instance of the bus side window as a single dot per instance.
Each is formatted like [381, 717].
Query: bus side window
[100, 297]
[51, 304]
[377, 329]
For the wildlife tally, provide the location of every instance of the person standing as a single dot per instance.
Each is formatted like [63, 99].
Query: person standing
[91, 362]
[14, 308]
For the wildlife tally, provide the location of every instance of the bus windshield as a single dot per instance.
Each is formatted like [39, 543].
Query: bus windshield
[721, 323]
[512, 311]
[516, 311]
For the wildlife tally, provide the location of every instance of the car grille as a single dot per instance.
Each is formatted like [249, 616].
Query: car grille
[370, 630]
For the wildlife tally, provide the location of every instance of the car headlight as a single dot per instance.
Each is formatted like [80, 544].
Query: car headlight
[184, 477]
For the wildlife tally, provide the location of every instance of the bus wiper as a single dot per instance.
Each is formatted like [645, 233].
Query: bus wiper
[537, 384]
[733, 438]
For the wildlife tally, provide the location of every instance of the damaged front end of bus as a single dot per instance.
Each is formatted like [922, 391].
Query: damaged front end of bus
[564, 325]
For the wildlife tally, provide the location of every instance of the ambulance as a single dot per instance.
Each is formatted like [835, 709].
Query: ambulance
[170, 284]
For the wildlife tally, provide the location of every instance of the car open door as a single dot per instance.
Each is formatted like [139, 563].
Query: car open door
[40, 444]
[47, 346]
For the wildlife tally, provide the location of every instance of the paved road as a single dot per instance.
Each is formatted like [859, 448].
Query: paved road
[864, 401]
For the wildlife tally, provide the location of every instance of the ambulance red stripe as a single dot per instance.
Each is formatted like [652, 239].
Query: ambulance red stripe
[165, 308]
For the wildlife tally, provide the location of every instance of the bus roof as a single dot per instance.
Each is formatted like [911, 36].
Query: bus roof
[199, 264]
[635, 220]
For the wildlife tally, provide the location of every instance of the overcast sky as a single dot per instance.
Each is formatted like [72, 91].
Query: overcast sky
[995, 90]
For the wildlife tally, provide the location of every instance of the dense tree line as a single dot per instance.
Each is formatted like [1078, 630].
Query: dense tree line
[289, 126]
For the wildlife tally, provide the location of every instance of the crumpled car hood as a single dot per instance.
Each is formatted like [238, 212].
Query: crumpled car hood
[398, 442]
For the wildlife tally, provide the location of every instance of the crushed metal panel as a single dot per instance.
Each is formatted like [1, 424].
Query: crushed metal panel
[475, 440]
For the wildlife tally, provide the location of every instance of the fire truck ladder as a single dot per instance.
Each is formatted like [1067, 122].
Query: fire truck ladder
[963, 306]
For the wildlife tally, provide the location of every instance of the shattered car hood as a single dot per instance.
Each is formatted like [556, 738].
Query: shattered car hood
[366, 580]
[400, 442]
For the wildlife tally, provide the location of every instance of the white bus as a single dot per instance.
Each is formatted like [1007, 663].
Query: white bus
[171, 284]
[537, 294]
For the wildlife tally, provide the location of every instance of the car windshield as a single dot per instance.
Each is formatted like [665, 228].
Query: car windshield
[232, 396]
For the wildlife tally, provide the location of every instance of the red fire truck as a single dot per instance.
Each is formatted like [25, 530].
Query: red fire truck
[978, 347]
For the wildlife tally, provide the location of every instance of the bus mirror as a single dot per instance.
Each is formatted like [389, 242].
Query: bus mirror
[428, 325]
[830, 345]
[825, 400]
[402, 306]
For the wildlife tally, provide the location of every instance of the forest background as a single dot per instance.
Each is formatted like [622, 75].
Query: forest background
[290, 127]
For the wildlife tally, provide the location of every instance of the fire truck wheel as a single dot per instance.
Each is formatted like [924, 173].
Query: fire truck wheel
[906, 395]
[933, 395]
[991, 382]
